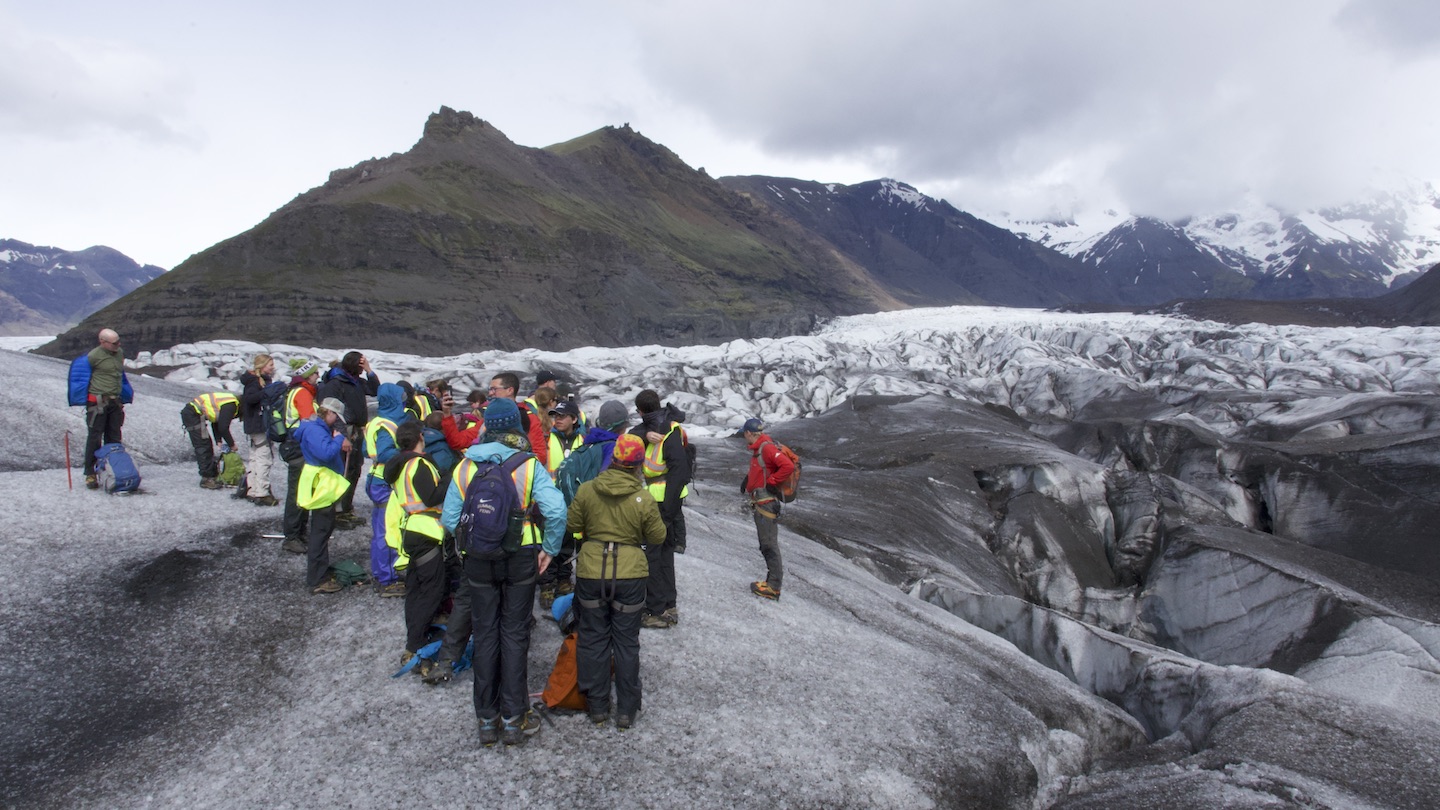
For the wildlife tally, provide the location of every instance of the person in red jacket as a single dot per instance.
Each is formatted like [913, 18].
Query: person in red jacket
[768, 467]
[506, 385]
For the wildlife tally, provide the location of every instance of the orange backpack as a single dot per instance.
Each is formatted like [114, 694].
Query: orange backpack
[786, 490]
[563, 689]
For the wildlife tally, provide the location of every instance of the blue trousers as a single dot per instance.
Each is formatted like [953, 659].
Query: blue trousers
[382, 557]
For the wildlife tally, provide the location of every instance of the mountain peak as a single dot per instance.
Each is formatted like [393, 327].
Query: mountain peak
[448, 124]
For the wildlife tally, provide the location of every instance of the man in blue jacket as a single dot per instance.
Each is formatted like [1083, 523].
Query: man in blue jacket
[323, 444]
[98, 381]
[502, 591]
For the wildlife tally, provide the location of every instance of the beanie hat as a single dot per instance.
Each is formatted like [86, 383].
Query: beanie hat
[753, 425]
[501, 415]
[629, 450]
[612, 415]
[306, 368]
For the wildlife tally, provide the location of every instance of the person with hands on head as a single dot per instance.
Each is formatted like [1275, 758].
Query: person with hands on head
[351, 383]
[768, 467]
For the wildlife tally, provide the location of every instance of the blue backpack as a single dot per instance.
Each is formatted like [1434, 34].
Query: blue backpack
[492, 521]
[115, 469]
[272, 410]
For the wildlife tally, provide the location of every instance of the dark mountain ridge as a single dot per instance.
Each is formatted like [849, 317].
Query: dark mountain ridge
[468, 242]
[925, 251]
[45, 289]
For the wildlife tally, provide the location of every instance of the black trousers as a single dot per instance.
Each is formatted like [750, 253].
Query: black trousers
[457, 632]
[609, 631]
[660, 586]
[501, 595]
[194, 424]
[103, 424]
[317, 546]
[296, 519]
[425, 585]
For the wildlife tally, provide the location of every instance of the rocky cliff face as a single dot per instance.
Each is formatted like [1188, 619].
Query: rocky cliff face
[469, 242]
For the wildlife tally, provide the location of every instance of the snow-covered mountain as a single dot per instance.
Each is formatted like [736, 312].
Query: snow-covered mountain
[1039, 560]
[1356, 250]
[45, 289]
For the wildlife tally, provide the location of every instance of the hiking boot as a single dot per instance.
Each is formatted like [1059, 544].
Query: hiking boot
[265, 500]
[489, 731]
[762, 588]
[348, 520]
[210, 483]
[671, 615]
[425, 669]
[293, 545]
[328, 585]
[405, 657]
[518, 728]
[391, 591]
[599, 718]
[654, 622]
[564, 588]
[624, 721]
[440, 673]
[547, 596]
[92, 482]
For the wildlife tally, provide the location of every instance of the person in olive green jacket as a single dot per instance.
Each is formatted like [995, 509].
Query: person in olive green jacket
[616, 517]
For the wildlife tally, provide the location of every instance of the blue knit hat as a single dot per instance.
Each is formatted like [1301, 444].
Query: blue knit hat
[501, 415]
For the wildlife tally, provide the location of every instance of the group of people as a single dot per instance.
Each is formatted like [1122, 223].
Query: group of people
[608, 531]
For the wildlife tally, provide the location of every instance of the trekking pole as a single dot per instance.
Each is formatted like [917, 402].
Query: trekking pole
[69, 476]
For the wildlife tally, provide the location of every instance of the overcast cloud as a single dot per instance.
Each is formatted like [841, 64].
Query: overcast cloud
[160, 128]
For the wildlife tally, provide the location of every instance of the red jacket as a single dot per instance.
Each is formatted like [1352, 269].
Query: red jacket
[767, 465]
[459, 438]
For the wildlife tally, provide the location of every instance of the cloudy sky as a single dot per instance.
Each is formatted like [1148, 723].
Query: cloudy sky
[160, 128]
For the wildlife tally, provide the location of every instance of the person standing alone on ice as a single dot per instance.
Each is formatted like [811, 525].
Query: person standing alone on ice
[98, 381]
[768, 467]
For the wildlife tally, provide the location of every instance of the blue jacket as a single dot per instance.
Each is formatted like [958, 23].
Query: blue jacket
[439, 450]
[79, 393]
[320, 445]
[391, 400]
[543, 490]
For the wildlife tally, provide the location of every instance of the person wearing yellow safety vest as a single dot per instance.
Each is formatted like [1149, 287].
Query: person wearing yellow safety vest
[322, 482]
[299, 406]
[414, 531]
[667, 476]
[219, 410]
[565, 437]
[381, 445]
[502, 591]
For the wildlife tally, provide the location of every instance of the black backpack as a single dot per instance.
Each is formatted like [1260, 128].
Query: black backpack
[272, 410]
[492, 521]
